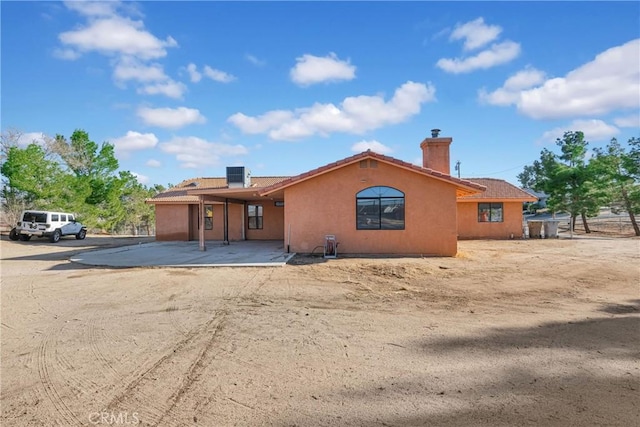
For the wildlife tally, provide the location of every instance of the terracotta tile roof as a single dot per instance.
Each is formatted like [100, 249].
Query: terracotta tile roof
[498, 189]
[464, 186]
[178, 193]
[173, 195]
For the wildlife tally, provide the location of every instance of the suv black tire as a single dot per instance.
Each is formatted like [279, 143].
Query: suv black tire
[81, 234]
[13, 234]
[55, 236]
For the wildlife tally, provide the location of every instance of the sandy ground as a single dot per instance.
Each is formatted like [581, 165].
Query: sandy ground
[509, 333]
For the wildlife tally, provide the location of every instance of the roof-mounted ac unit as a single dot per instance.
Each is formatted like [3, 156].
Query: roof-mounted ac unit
[238, 177]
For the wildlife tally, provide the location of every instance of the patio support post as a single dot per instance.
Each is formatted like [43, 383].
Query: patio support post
[226, 222]
[201, 227]
[244, 223]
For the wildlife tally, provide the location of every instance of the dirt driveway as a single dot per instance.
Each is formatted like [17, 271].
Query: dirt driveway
[509, 333]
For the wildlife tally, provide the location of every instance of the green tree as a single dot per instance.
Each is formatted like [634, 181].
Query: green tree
[133, 197]
[84, 157]
[31, 177]
[13, 197]
[75, 175]
[619, 171]
[566, 178]
[93, 178]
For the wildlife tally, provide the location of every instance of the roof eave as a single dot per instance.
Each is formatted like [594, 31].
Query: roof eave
[463, 187]
[466, 199]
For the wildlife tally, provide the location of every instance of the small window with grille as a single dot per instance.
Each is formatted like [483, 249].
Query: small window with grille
[208, 217]
[254, 214]
[490, 212]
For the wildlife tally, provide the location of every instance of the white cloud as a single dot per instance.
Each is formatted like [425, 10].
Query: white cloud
[212, 73]
[66, 54]
[156, 82]
[32, 138]
[108, 33]
[193, 152]
[142, 179]
[93, 8]
[375, 146]
[116, 35]
[510, 91]
[354, 115]
[153, 163]
[316, 69]
[217, 75]
[263, 123]
[475, 33]
[631, 121]
[497, 54]
[194, 75]
[254, 60]
[129, 68]
[170, 88]
[170, 118]
[594, 130]
[134, 141]
[610, 82]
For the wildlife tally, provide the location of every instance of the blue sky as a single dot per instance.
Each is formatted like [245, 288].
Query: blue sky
[184, 89]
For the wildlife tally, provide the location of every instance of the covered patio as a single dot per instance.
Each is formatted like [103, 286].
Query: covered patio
[225, 197]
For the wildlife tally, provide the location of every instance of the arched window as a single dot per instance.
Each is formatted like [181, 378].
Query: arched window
[380, 208]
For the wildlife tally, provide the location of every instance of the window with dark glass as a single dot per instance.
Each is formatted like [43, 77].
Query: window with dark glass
[380, 208]
[34, 217]
[208, 217]
[254, 213]
[490, 212]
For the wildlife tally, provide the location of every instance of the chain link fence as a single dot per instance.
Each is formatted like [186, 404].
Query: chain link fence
[607, 223]
[613, 225]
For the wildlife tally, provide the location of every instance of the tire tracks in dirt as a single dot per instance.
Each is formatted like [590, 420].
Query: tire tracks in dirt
[52, 363]
[209, 352]
[94, 341]
[133, 390]
[45, 355]
[112, 376]
[249, 291]
[171, 308]
[163, 412]
[195, 371]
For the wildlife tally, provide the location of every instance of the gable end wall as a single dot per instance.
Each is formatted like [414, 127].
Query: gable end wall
[326, 205]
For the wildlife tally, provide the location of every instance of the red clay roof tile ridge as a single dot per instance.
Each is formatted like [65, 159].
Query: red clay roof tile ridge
[362, 155]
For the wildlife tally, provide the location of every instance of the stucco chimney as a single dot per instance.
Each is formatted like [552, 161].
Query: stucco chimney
[435, 152]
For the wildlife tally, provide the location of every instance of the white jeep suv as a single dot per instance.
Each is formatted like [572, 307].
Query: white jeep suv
[47, 224]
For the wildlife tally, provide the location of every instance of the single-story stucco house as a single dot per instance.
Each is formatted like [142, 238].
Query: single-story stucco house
[371, 203]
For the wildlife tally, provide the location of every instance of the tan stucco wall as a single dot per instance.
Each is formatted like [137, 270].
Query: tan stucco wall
[272, 222]
[470, 228]
[326, 204]
[172, 222]
[217, 233]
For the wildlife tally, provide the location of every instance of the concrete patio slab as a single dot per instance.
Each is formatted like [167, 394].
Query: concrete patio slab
[187, 254]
